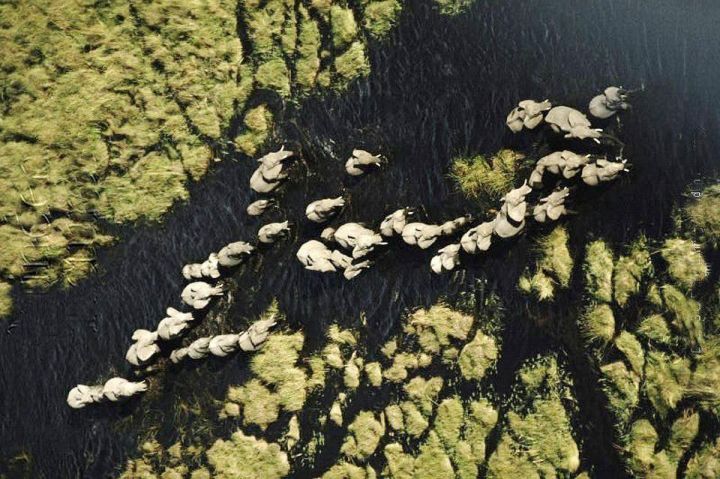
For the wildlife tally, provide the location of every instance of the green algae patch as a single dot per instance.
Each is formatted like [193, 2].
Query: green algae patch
[364, 436]
[598, 324]
[598, 271]
[686, 264]
[245, 457]
[630, 270]
[487, 179]
[477, 356]
[704, 215]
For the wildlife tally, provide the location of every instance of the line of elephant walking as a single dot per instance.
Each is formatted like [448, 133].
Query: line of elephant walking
[350, 247]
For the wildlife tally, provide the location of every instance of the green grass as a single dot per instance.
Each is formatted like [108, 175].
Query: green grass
[487, 179]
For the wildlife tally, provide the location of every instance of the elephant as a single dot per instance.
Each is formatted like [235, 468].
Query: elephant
[348, 236]
[174, 324]
[253, 339]
[355, 269]
[199, 293]
[446, 259]
[478, 238]
[564, 162]
[224, 344]
[528, 114]
[274, 158]
[192, 271]
[144, 347]
[256, 208]
[272, 232]
[395, 222]
[552, 206]
[117, 389]
[82, 395]
[450, 227]
[602, 170]
[232, 254]
[572, 122]
[366, 244]
[262, 184]
[356, 165]
[315, 256]
[322, 210]
[268, 176]
[511, 219]
[421, 234]
[198, 349]
[209, 267]
[611, 101]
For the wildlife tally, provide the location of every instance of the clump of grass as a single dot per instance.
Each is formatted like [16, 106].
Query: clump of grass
[622, 388]
[631, 348]
[598, 270]
[398, 371]
[554, 267]
[630, 270]
[704, 215]
[433, 462]
[666, 380]
[364, 436]
[344, 27]
[477, 356]
[705, 463]
[437, 326]
[453, 7]
[5, 299]
[682, 434]
[394, 417]
[400, 465]
[685, 313]
[258, 123]
[449, 420]
[379, 17]
[345, 470]
[351, 64]
[686, 264]
[705, 382]
[598, 324]
[655, 328]
[373, 371]
[423, 392]
[245, 457]
[274, 75]
[415, 421]
[486, 180]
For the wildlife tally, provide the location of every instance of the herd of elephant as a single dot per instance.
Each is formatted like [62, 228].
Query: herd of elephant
[325, 254]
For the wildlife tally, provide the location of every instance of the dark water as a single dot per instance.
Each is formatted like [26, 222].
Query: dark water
[439, 87]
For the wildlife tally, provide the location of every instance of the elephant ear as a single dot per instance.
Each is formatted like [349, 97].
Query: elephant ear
[577, 118]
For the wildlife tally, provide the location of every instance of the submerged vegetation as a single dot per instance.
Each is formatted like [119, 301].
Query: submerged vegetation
[117, 106]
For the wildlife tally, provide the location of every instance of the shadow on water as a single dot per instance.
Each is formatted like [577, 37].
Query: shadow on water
[439, 87]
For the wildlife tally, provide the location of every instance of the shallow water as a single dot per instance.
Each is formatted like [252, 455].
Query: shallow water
[439, 87]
